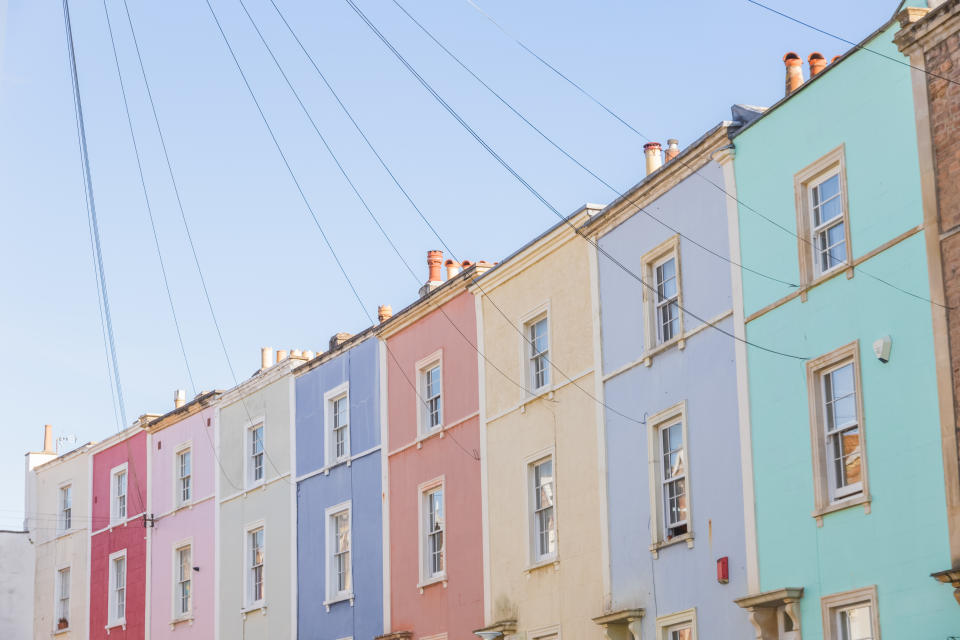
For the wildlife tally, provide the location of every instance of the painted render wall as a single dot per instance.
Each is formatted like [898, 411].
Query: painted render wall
[567, 594]
[702, 374]
[358, 482]
[56, 549]
[268, 396]
[174, 526]
[903, 538]
[16, 584]
[455, 605]
[131, 535]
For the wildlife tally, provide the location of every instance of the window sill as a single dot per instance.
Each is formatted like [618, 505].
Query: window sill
[116, 623]
[179, 620]
[823, 277]
[260, 606]
[442, 578]
[340, 598]
[543, 564]
[679, 342]
[423, 436]
[663, 544]
[255, 485]
[57, 632]
[546, 392]
[840, 505]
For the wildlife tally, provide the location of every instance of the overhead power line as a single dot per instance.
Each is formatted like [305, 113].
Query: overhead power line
[539, 196]
[680, 159]
[376, 221]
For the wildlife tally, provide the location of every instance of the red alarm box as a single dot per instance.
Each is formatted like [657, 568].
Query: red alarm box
[723, 570]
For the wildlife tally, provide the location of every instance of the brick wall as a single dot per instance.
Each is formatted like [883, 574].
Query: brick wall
[943, 60]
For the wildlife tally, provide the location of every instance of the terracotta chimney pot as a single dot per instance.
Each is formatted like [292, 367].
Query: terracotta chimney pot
[673, 149]
[266, 357]
[384, 312]
[453, 268]
[434, 260]
[281, 355]
[794, 66]
[817, 63]
[179, 398]
[654, 160]
[466, 264]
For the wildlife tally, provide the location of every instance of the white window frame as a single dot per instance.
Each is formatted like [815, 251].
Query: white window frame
[58, 599]
[658, 524]
[114, 620]
[333, 593]
[340, 392]
[422, 366]
[831, 606]
[676, 621]
[248, 567]
[115, 517]
[659, 255]
[826, 498]
[65, 508]
[176, 611]
[541, 312]
[545, 633]
[833, 163]
[248, 465]
[178, 499]
[535, 557]
[423, 491]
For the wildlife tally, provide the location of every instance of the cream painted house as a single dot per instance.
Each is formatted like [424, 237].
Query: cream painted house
[60, 526]
[544, 531]
[256, 497]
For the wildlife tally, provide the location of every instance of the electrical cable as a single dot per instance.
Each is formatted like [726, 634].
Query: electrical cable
[569, 156]
[386, 235]
[852, 44]
[680, 159]
[541, 198]
[146, 199]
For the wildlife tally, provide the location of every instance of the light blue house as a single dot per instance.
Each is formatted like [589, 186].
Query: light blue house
[850, 512]
[677, 555]
[339, 486]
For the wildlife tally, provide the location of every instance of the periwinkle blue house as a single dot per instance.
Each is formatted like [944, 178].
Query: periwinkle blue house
[339, 508]
[677, 550]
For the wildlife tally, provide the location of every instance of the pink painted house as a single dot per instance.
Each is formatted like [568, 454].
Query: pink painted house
[182, 503]
[118, 540]
[433, 539]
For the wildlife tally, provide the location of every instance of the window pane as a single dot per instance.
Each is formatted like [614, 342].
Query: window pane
[681, 634]
[543, 479]
[856, 623]
[667, 280]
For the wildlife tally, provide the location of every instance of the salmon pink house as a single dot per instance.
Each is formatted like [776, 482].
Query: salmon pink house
[435, 585]
[118, 539]
[182, 508]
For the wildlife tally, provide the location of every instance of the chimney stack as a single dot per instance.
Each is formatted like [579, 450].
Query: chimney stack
[434, 260]
[179, 398]
[673, 149]
[266, 357]
[794, 66]
[338, 339]
[452, 268]
[652, 152]
[817, 63]
[384, 312]
[48, 439]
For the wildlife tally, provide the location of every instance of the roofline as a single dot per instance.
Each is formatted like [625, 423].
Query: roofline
[330, 354]
[854, 49]
[73, 453]
[664, 171]
[116, 438]
[200, 402]
[562, 223]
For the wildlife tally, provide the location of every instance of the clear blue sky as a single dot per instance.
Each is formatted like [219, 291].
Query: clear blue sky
[672, 69]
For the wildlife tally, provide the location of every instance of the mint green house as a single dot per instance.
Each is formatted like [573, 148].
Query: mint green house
[842, 450]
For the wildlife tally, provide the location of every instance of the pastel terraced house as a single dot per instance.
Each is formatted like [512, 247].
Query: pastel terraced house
[340, 497]
[845, 423]
[544, 547]
[256, 504]
[671, 450]
[182, 508]
[433, 455]
[60, 524]
[118, 575]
